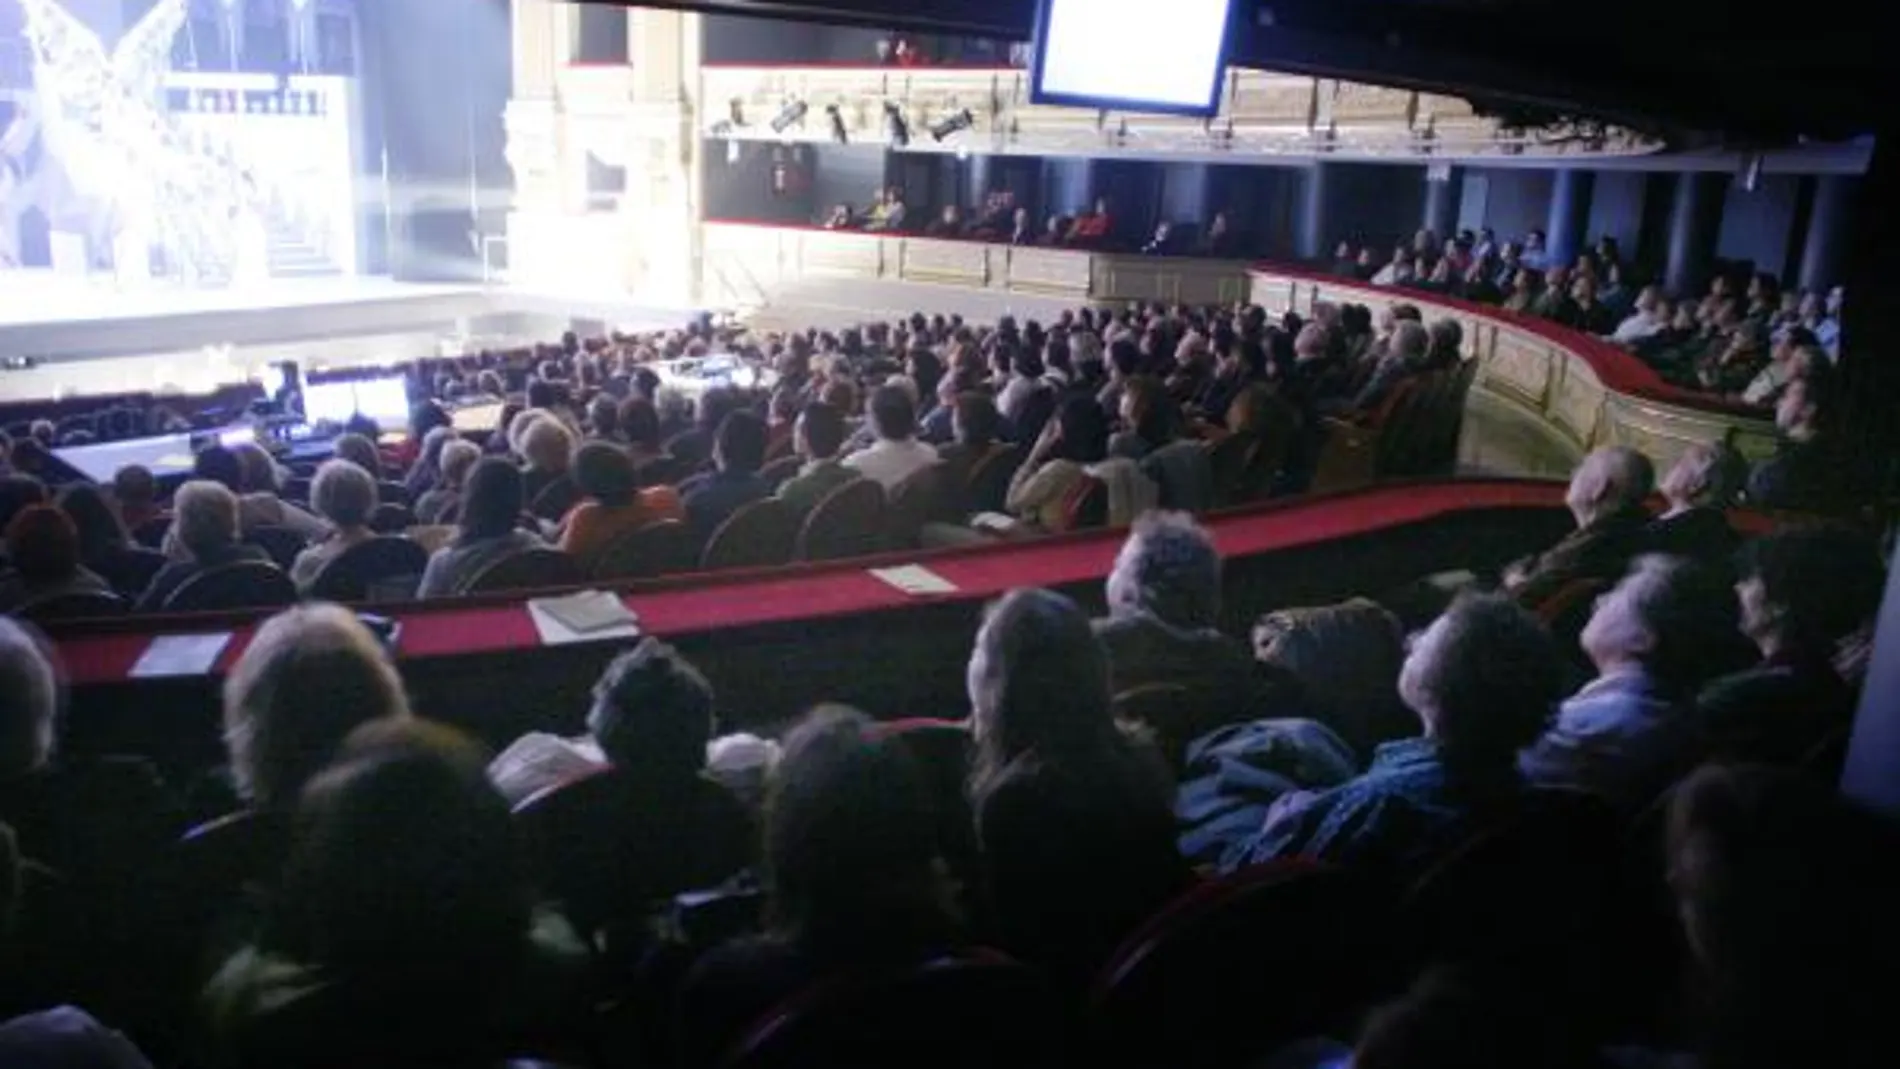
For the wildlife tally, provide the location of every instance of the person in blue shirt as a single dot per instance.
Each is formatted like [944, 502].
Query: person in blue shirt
[1483, 680]
[734, 482]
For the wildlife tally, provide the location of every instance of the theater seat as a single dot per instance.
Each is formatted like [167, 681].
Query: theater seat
[281, 544]
[531, 569]
[759, 535]
[977, 1009]
[780, 471]
[920, 499]
[848, 522]
[246, 584]
[1237, 967]
[151, 533]
[76, 606]
[381, 569]
[988, 484]
[391, 519]
[661, 548]
[554, 501]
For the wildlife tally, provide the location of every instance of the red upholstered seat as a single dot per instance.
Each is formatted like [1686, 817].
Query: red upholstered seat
[381, 569]
[978, 1009]
[759, 535]
[848, 522]
[245, 584]
[1235, 967]
[531, 569]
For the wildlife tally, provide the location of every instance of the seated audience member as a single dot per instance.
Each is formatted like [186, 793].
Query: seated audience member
[1074, 817]
[345, 496]
[442, 502]
[734, 482]
[1606, 498]
[488, 531]
[257, 490]
[1404, 357]
[547, 453]
[1802, 590]
[403, 930]
[671, 827]
[947, 224]
[1790, 358]
[312, 675]
[1699, 488]
[88, 819]
[135, 492]
[66, 1036]
[897, 454]
[1054, 231]
[639, 424]
[104, 546]
[818, 437]
[1523, 298]
[43, 547]
[1094, 228]
[614, 504]
[855, 880]
[1022, 231]
[1650, 318]
[1783, 887]
[1163, 619]
[1338, 664]
[427, 470]
[839, 218]
[1584, 311]
[1219, 239]
[1162, 243]
[1482, 679]
[1633, 729]
[1397, 271]
[976, 431]
[1072, 448]
[1446, 351]
[603, 419]
[1810, 471]
[361, 451]
[205, 526]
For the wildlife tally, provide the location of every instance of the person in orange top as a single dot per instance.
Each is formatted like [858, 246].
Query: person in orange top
[614, 505]
[1093, 228]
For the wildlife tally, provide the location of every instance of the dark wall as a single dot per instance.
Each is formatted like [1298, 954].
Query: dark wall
[737, 39]
[1515, 202]
[743, 188]
[1616, 209]
[1757, 226]
[1371, 203]
[846, 174]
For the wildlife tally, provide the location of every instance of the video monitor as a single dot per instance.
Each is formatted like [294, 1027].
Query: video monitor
[1131, 55]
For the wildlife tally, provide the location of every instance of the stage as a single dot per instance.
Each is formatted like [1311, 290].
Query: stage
[91, 336]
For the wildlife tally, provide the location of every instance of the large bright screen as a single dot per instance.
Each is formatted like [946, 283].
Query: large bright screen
[1134, 55]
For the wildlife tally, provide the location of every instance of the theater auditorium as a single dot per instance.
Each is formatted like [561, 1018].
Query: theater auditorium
[554, 534]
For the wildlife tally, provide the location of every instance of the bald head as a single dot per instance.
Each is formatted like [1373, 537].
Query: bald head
[1610, 480]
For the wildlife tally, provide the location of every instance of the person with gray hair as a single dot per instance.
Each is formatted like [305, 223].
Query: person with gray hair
[1446, 350]
[29, 701]
[1163, 620]
[1699, 487]
[345, 495]
[205, 523]
[1483, 680]
[1405, 356]
[1654, 639]
[1606, 497]
[443, 500]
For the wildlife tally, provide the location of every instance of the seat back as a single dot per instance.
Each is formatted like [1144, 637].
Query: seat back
[1236, 967]
[780, 471]
[1408, 431]
[297, 489]
[664, 547]
[391, 518]
[848, 522]
[555, 499]
[382, 569]
[966, 1010]
[988, 484]
[390, 492]
[921, 498]
[660, 471]
[1087, 505]
[281, 543]
[531, 569]
[245, 584]
[79, 605]
[759, 535]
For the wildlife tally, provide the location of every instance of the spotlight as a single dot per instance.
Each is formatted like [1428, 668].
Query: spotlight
[895, 128]
[838, 131]
[962, 120]
[792, 113]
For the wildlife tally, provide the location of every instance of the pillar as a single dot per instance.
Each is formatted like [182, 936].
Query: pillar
[662, 204]
[1824, 252]
[1695, 222]
[1569, 214]
[1444, 186]
[1309, 230]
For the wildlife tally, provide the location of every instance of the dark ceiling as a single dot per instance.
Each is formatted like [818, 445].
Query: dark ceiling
[1694, 70]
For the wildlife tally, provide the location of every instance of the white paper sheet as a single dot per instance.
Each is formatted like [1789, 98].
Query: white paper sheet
[916, 580]
[552, 615]
[180, 655]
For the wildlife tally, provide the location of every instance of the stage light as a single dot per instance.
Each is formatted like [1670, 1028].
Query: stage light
[838, 131]
[789, 116]
[895, 128]
[962, 120]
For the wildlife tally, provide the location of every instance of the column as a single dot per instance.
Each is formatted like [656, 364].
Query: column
[532, 124]
[1824, 252]
[1309, 229]
[1695, 222]
[537, 47]
[1569, 214]
[664, 179]
[1444, 185]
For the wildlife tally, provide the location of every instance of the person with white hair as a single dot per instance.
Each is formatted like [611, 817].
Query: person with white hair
[205, 522]
[1405, 356]
[442, 501]
[1654, 639]
[1606, 497]
[547, 450]
[1699, 487]
[345, 495]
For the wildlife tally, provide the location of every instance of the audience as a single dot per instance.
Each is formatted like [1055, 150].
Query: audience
[43, 546]
[1809, 471]
[345, 496]
[547, 452]
[897, 454]
[817, 438]
[735, 482]
[104, 546]
[1483, 680]
[487, 533]
[442, 502]
[135, 492]
[1698, 488]
[614, 504]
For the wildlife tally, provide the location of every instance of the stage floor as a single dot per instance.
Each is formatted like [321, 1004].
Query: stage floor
[91, 337]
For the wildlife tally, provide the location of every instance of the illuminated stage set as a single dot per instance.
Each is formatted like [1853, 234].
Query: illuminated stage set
[171, 217]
